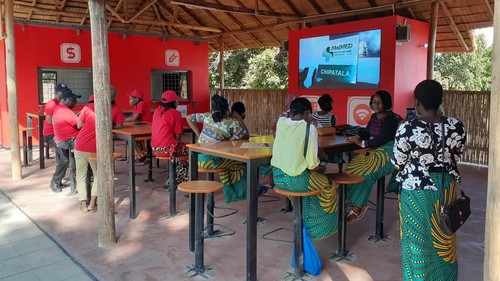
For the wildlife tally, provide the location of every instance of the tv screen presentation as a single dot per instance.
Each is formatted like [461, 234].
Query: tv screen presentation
[341, 61]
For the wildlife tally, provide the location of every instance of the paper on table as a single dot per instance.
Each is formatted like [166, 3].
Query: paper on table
[256, 145]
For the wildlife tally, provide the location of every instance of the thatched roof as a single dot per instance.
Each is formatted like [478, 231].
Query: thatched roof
[241, 24]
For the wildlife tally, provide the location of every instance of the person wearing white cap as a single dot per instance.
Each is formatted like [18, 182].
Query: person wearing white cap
[166, 132]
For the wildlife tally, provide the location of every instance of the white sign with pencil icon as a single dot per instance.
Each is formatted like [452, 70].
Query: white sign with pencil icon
[172, 58]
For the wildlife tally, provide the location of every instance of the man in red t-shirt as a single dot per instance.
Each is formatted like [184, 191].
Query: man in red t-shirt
[85, 148]
[64, 122]
[48, 130]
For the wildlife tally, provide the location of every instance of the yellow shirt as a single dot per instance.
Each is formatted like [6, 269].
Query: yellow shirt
[288, 147]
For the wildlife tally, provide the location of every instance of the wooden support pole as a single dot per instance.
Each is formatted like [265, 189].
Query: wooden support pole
[10, 54]
[104, 135]
[492, 228]
[431, 51]
[221, 65]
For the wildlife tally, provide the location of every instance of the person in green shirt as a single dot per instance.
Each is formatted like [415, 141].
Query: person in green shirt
[298, 169]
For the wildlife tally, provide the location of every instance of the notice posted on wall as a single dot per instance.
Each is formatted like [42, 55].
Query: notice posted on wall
[183, 110]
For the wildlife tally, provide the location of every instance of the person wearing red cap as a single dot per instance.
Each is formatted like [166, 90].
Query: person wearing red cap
[166, 131]
[48, 133]
[142, 112]
[85, 148]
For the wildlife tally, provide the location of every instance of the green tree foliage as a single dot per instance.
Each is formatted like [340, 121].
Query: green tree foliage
[465, 71]
[265, 68]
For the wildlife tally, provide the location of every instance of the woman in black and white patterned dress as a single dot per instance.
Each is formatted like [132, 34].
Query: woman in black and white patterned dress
[427, 253]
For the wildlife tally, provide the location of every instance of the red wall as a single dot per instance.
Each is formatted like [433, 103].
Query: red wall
[394, 60]
[131, 60]
[411, 64]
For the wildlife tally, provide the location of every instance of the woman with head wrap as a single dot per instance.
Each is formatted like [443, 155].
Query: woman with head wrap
[218, 126]
[426, 173]
[378, 137]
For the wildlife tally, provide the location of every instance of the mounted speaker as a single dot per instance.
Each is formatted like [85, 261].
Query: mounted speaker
[403, 33]
[285, 46]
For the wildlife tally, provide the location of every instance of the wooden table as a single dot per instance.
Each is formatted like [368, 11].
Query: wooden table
[254, 158]
[29, 121]
[129, 132]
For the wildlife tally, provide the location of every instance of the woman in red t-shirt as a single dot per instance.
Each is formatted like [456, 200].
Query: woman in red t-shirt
[166, 132]
[142, 112]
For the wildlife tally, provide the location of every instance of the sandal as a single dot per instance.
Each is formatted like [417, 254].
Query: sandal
[353, 216]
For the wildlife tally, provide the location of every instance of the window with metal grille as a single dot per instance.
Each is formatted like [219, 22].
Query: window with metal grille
[177, 81]
[79, 80]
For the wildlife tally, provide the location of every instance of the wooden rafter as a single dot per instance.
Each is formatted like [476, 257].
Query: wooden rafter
[52, 12]
[228, 9]
[454, 27]
[158, 16]
[163, 7]
[318, 9]
[144, 7]
[256, 20]
[490, 10]
[214, 18]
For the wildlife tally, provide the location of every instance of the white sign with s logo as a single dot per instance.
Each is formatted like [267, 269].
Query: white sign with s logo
[70, 53]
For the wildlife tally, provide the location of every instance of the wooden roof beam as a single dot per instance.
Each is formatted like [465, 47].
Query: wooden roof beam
[162, 6]
[158, 16]
[229, 9]
[52, 12]
[258, 22]
[490, 10]
[144, 7]
[232, 36]
[454, 27]
[115, 13]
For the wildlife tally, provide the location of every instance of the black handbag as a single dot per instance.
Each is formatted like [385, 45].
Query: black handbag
[455, 215]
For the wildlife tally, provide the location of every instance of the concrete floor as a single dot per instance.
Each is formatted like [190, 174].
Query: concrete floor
[151, 248]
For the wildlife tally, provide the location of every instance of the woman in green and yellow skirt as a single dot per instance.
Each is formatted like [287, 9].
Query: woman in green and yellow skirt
[428, 175]
[296, 168]
[378, 137]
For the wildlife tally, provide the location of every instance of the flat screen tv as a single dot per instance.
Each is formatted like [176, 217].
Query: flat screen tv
[340, 61]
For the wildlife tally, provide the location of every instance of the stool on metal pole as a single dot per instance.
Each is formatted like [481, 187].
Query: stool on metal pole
[343, 180]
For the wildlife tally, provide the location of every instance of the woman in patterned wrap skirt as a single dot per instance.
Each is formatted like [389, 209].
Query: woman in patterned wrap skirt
[374, 163]
[293, 171]
[427, 252]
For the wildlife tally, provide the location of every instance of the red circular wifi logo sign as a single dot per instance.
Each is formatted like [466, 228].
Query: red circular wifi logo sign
[358, 111]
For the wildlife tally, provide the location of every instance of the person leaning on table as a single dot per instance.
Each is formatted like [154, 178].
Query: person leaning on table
[427, 253]
[219, 125]
[293, 171]
[86, 148]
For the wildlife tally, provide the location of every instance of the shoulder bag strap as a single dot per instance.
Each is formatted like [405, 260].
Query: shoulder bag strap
[307, 139]
[443, 169]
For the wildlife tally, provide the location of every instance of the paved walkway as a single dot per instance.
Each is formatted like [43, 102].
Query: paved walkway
[29, 254]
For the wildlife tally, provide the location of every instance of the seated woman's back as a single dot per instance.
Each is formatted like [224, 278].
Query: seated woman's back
[227, 129]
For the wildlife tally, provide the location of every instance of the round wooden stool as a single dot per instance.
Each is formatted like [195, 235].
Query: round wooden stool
[297, 228]
[343, 180]
[198, 189]
[211, 204]
[116, 155]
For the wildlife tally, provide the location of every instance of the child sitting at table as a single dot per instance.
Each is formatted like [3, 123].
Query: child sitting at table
[324, 117]
[142, 112]
[166, 132]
